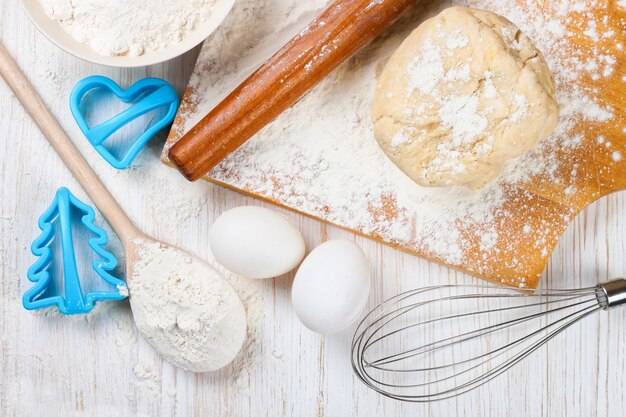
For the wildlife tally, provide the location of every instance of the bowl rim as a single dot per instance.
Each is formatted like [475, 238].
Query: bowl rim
[65, 42]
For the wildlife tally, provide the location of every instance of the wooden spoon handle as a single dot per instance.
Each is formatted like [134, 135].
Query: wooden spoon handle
[62, 144]
[339, 32]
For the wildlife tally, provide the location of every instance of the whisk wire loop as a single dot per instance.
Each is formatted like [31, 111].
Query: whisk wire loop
[438, 342]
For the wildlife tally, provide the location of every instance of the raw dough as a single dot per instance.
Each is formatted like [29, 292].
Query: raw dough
[464, 93]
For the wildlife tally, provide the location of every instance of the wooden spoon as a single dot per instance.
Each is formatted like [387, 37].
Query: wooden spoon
[203, 335]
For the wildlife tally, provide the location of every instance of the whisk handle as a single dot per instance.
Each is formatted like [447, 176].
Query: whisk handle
[612, 293]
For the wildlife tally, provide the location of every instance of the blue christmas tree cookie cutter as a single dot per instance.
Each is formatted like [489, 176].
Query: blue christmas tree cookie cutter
[72, 300]
[145, 95]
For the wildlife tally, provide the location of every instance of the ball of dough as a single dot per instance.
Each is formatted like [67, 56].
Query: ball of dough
[465, 92]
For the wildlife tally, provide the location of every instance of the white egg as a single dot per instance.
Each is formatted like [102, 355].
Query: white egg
[256, 242]
[332, 286]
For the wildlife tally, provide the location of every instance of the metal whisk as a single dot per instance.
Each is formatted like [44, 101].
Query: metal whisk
[439, 342]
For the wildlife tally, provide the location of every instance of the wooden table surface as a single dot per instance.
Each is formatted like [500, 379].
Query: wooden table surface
[99, 366]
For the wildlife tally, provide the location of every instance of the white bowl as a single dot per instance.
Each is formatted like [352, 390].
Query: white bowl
[53, 31]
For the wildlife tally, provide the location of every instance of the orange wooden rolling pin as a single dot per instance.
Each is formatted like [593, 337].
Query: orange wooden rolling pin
[334, 36]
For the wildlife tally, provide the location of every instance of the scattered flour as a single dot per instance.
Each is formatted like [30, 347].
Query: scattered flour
[457, 40]
[426, 69]
[178, 199]
[489, 90]
[101, 307]
[125, 332]
[522, 106]
[334, 169]
[122, 27]
[399, 139]
[123, 289]
[148, 379]
[460, 113]
[185, 309]
[147, 375]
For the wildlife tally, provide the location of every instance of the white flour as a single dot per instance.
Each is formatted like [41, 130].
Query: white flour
[128, 27]
[334, 169]
[185, 309]
[426, 69]
[173, 209]
[147, 375]
[148, 378]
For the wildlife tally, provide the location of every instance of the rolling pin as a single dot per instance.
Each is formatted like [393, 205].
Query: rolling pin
[333, 37]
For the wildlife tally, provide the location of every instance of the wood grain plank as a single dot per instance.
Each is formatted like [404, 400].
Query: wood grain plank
[544, 203]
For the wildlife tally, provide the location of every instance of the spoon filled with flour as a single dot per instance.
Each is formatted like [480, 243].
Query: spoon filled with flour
[183, 307]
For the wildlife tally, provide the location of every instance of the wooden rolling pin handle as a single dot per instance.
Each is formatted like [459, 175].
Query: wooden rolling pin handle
[339, 32]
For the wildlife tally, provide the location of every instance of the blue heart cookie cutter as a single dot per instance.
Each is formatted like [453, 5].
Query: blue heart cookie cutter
[60, 284]
[146, 95]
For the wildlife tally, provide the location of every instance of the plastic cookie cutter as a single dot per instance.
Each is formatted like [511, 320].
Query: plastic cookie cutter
[145, 96]
[56, 273]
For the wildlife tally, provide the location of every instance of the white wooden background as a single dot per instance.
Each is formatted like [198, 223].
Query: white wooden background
[52, 366]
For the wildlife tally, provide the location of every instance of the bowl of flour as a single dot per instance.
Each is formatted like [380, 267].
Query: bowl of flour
[127, 33]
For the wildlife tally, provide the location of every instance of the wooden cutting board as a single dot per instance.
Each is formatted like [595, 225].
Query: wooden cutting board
[320, 158]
